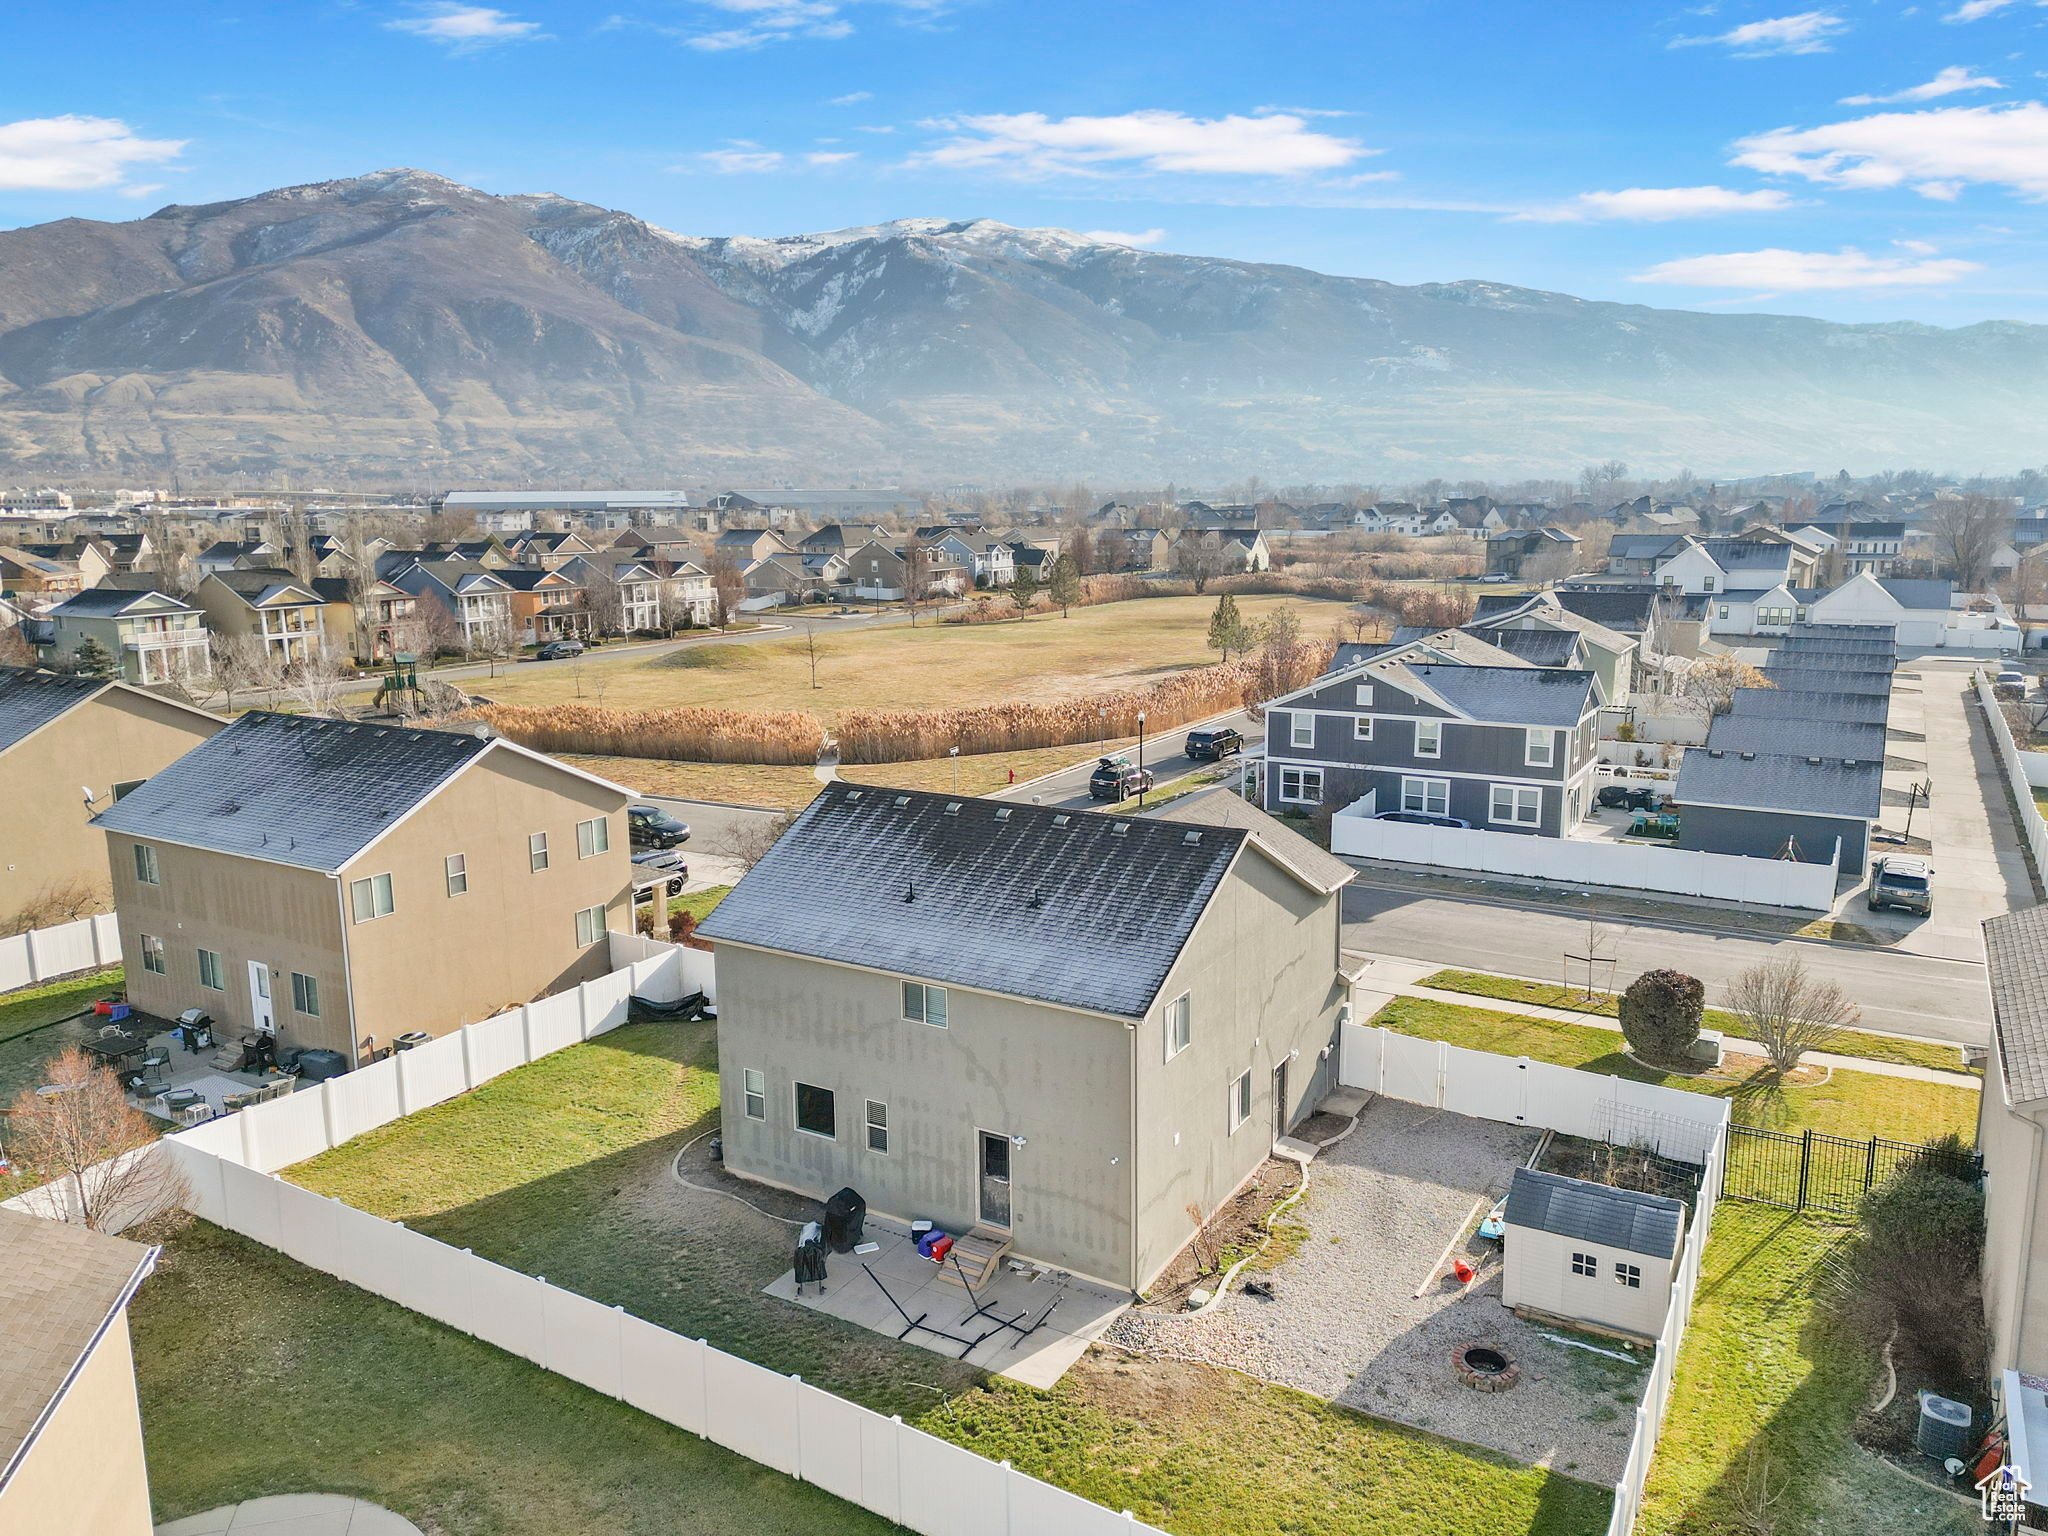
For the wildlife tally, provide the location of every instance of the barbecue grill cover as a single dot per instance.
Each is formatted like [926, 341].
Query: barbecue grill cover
[845, 1215]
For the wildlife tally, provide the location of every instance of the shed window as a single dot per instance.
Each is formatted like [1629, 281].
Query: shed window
[754, 1091]
[814, 1111]
[1585, 1264]
[1629, 1275]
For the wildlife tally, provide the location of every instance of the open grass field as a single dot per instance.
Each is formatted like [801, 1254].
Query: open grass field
[1548, 994]
[1046, 657]
[1769, 1384]
[1853, 1104]
[561, 1168]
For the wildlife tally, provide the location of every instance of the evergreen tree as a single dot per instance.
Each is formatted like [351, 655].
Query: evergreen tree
[1023, 589]
[1227, 629]
[1063, 583]
[94, 659]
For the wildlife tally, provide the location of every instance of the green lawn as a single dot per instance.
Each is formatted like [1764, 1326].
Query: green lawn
[1768, 1387]
[698, 903]
[561, 1169]
[1855, 1104]
[259, 1376]
[1854, 1042]
[33, 1007]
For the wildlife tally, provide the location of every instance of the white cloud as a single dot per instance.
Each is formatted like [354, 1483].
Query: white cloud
[851, 97]
[779, 21]
[466, 28]
[1976, 10]
[1936, 153]
[1656, 204]
[1957, 77]
[1807, 32]
[1124, 237]
[1030, 143]
[742, 158]
[830, 157]
[1803, 271]
[875, 128]
[76, 154]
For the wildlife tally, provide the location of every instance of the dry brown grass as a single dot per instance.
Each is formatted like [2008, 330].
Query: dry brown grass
[692, 732]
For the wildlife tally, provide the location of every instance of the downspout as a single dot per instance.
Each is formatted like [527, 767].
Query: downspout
[1134, 1031]
[348, 975]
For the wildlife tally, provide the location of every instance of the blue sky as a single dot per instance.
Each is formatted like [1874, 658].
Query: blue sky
[1858, 161]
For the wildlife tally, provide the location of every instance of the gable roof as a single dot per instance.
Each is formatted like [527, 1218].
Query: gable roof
[1836, 656]
[293, 789]
[1065, 907]
[61, 1284]
[1221, 806]
[1809, 785]
[1595, 1213]
[1809, 704]
[1751, 555]
[111, 602]
[30, 700]
[1918, 594]
[261, 587]
[1467, 647]
[2016, 958]
[1809, 738]
[1867, 634]
[1524, 695]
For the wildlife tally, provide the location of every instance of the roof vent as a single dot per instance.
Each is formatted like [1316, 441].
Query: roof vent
[1715, 752]
[1191, 837]
[952, 807]
[855, 794]
[1120, 829]
[1061, 820]
[1003, 814]
[1813, 762]
[1037, 900]
[903, 799]
[1749, 757]
[910, 890]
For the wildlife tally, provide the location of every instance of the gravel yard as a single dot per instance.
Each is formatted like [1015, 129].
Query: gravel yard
[1345, 1322]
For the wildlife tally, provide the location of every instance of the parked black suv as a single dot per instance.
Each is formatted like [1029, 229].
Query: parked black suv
[1214, 745]
[559, 650]
[1118, 778]
[649, 826]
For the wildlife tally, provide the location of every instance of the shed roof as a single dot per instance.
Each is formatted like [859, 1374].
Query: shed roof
[1063, 907]
[1804, 785]
[2016, 956]
[1538, 647]
[1595, 1213]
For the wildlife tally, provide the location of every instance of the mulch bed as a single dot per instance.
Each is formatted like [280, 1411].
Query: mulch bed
[1238, 1225]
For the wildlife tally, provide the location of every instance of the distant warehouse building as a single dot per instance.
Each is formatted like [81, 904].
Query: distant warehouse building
[514, 511]
[1778, 805]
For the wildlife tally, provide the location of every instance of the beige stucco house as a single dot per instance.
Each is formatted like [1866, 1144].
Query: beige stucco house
[2012, 1138]
[70, 1427]
[62, 739]
[151, 636]
[338, 884]
[1064, 1027]
[275, 605]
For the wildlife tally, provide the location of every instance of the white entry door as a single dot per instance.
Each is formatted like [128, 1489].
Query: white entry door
[261, 1011]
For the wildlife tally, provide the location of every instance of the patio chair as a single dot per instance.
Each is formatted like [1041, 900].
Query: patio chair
[156, 1067]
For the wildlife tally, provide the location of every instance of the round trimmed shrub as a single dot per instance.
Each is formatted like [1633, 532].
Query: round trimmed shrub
[1660, 1014]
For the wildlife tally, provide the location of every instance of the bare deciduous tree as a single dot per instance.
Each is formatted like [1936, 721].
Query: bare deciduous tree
[61, 901]
[1707, 685]
[317, 684]
[237, 664]
[79, 1133]
[750, 840]
[1201, 558]
[1789, 1012]
[1967, 532]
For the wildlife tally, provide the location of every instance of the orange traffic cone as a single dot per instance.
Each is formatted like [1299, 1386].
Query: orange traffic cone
[1464, 1272]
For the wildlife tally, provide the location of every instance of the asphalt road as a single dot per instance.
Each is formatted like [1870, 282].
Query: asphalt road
[1899, 993]
[1163, 755]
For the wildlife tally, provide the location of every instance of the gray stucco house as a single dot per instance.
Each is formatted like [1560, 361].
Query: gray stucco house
[1507, 749]
[1066, 1026]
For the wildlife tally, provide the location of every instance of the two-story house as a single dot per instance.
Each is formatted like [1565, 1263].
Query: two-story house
[1507, 749]
[151, 636]
[477, 603]
[365, 619]
[273, 605]
[1068, 1028]
[338, 884]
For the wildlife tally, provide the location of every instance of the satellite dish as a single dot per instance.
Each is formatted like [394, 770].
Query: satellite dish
[86, 790]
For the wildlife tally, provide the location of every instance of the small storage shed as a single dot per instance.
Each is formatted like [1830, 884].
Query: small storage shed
[1590, 1254]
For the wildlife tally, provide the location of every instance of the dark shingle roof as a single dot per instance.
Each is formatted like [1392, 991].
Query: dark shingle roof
[1805, 738]
[1836, 655]
[1624, 612]
[1511, 695]
[30, 700]
[292, 789]
[59, 1284]
[1056, 906]
[1223, 807]
[1810, 785]
[1871, 634]
[2016, 955]
[1827, 679]
[1799, 704]
[1918, 593]
[1749, 554]
[118, 600]
[1595, 1213]
[1538, 647]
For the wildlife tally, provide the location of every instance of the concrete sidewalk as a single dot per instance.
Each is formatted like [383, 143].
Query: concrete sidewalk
[1388, 978]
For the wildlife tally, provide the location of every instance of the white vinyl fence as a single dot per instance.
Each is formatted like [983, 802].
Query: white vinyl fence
[2020, 779]
[926, 1484]
[1686, 1126]
[85, 945]
[1583, 861]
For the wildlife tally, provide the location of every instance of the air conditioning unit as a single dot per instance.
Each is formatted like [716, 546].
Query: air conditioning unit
[1944, 1428]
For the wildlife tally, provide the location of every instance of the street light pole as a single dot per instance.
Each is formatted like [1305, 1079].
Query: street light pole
[954, 753]
[1141, 759]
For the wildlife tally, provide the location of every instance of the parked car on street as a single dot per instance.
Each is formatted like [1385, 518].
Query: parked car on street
[1212, 746]
[649, 826]
[659, 869]
[559, 650]
[1118, 778]
[1907, 884]
[1422, 819]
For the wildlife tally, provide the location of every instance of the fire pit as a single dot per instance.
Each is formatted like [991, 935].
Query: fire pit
[1484, 1367]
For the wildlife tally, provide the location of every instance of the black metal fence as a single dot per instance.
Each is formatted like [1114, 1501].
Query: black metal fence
[1813, 1171]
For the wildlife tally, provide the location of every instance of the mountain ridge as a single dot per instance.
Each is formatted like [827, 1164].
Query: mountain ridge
[399, 326]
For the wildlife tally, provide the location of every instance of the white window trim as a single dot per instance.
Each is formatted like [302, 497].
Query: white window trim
[455, 869]
[600, 837]
[1517, 792]
[538, 858]
[1365, 695]
[597, 926]
[749, 1076]
[390, 897]
[145, 857]
[1361, 728]
[925, 991]
[1240, 1091]
[869, 1125]
[1184, 1007]
[1531, 737]
[1423, 808]
[1301, 795]
[1301, 729]
[795, 1117]
[1436, 747]
[305, 989]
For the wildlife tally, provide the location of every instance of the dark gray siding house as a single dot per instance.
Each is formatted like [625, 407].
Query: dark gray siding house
[1507, 749]
[1775, 805]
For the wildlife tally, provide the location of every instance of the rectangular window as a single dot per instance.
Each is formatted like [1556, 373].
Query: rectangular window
[1361, 728]
[1302, 786]
[924, 1005]
[1429, 738]
[754, 1090]
[1365, 695]
[1585, 1264]
[1724, 610]
[1707, 585]
[589, 926]
[458, 874]
[1539, 750]
[814, 1111]
[145, 865]
[210, 973]
[371, 897]
[878, 1126]
[1301, 729]
[1179, 1026]
[1240, 1101]
[152, 954]
[1629, 1275]
[1432, 797]
[1519, 804]
[593, 837]
[306, 995]
[537, 852]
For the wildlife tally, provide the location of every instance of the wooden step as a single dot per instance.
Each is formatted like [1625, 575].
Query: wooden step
[979, 1252]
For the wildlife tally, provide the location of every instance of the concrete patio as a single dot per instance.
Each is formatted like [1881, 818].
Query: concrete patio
[1071, 1314]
